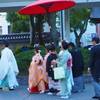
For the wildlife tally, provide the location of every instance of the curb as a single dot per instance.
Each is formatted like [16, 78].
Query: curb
[23, 80]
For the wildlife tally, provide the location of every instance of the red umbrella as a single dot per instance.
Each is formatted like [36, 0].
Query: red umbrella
[46, 6]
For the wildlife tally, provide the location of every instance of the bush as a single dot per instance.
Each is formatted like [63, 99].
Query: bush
[19, 49]
[86, 57]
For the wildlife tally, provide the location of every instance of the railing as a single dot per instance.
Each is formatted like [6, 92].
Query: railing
[16, 36]
[24, 36]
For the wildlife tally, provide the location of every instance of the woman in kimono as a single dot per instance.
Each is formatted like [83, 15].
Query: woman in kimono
[65, 60]
[53, 84]
[36, 77]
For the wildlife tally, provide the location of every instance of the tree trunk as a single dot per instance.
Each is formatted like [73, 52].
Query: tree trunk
[51, 19]
[82, 31]
[32, 33]
[77, 40]
[40, 18]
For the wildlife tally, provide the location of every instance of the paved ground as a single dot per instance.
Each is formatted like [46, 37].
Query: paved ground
[21, 93]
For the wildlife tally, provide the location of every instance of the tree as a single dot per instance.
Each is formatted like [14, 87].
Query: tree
[51, 19]
[39, 25]
[21, 22]
[36, 22]
[18, 23]
[79, 19]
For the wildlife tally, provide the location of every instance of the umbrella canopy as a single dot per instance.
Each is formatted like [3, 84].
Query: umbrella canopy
[46, 6]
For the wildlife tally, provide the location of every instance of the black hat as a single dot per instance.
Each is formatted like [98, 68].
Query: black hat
[37, 48]
[6, 42]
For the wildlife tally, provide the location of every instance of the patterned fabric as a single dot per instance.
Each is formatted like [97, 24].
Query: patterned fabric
[53, 84]
[36, 74]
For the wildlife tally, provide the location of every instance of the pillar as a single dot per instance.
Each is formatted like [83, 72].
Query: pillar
[65, 25]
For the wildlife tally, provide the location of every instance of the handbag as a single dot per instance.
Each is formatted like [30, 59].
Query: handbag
[59, 73]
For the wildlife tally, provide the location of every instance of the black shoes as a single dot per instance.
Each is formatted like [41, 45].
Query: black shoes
[95, 97]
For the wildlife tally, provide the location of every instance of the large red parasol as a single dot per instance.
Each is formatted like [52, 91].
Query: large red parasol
[46, 6]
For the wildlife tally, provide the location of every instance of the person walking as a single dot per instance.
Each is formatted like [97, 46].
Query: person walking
[53, 84]
[36, 76]
[77, 68]
[8, 68]
[65, 60]
[94, 66]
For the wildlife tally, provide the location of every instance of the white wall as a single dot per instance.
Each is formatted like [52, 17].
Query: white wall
[4, 23]
[84, 40]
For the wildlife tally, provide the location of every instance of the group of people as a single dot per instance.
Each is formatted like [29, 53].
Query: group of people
[41, 69]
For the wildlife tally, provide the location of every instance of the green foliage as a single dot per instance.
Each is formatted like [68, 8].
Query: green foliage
[18, 50]
[77, 18]
[19, 23]
[23, 60]
[12, 17]
[79, 21]
[86, 57]
[80, 14]
[20, 26]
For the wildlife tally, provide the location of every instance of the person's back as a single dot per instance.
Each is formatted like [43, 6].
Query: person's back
[77, 64]
[9, 68]
[77, 68]
[94, 66]
[97, 52]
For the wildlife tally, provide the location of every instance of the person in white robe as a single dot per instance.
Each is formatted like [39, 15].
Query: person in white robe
[8, 68]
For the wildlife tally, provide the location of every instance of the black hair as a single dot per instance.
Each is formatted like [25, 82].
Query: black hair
[6, 42]
[52, 47]
[65, 45]
[96, 39]
[47, 48]
[71, 44]
[37, 48]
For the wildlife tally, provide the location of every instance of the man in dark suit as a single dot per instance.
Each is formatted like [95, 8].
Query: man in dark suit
[94, 66]
[77, 68]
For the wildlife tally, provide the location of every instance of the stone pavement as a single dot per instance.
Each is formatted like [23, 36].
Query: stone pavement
[21, 93]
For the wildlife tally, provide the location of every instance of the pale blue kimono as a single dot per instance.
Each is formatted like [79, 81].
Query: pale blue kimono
[67, 82]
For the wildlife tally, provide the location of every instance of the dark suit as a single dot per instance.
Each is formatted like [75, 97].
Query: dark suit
[48, 65]
[77, 64]
[77, 68]
[94, 65]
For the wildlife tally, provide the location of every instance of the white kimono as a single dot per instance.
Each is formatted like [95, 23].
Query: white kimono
[8, 68]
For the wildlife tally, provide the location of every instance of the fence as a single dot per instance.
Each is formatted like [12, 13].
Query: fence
[17, 39]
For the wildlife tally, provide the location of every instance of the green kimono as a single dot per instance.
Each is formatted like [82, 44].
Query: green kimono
[66, 83]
